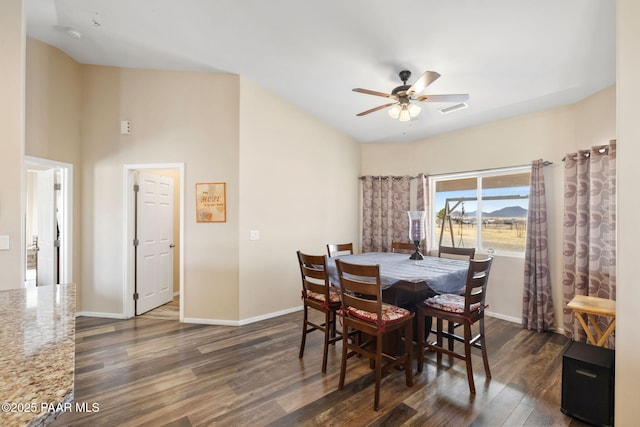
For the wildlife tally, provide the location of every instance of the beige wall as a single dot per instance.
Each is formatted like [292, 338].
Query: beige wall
[220, 130]
[12, 30]
[53, 93]
[176, 117]
[628, 289]
[627, 338]
[517, 141]
[299, 189]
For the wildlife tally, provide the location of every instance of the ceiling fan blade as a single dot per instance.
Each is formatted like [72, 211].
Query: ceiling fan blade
[376, 109]
[373, 92]
[444, 98]
[425, 80]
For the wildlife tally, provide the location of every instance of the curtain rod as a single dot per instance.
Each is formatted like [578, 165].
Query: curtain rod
[586, 153]
[545, 163]
[387, 177]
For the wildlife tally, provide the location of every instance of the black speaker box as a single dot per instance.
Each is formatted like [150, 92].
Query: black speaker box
[588, 383]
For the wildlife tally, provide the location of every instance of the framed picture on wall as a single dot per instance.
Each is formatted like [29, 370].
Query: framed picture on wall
[211, 202]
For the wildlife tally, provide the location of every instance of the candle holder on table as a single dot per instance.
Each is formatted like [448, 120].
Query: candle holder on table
[416, 231]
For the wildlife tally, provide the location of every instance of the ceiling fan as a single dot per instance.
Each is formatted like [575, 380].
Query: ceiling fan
[403, 109]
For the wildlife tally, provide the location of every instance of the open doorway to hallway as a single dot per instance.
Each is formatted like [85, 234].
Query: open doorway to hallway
[48, 222]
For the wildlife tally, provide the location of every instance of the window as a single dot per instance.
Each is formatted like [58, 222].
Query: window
[486, 210]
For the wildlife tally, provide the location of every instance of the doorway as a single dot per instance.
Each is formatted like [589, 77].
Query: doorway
[132, 172]
[48, 222]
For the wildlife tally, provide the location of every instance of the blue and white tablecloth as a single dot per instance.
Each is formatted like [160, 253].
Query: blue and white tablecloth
[443, 275]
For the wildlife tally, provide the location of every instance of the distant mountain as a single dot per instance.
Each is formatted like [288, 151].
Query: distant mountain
[508, 212]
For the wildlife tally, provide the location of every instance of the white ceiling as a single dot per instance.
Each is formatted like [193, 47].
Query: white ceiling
[510, 56]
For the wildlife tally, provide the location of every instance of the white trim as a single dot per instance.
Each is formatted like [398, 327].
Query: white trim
[128, 181]
[478, 175]
[518, 321]
[242, 322]
[100, 314]
[503, 317]
[66, 244]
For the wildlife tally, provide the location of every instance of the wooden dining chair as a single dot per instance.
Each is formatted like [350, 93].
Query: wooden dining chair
[456, 253]
[467, 309]
[451, 252]
[318, 294]
[403, 247]
[363, 310]
[339, 249]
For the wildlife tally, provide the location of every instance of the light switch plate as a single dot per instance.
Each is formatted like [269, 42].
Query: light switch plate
[4, 243]
[254, 235]
[125, 127]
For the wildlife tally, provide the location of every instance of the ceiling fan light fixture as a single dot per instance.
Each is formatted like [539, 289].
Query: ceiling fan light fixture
[414, 110]
[394, 112]
[405, 116]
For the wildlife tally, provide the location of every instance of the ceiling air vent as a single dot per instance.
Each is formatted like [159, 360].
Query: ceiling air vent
[455, 107]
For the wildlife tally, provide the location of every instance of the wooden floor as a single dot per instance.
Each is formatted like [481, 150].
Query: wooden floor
[148, 371]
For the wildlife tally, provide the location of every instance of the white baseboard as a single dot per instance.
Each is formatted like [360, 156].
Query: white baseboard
[99, 314]
[503, 317]
[242, 321]
[518, 321]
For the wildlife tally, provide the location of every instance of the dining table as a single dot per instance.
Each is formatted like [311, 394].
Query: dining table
[406, 282]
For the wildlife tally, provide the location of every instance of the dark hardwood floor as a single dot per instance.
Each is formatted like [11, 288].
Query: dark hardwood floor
[149, 371]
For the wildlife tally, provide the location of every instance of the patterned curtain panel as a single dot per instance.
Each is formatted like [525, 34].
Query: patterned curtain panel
[537, 304]
[385, 202]
[589, 234]
[422, 204]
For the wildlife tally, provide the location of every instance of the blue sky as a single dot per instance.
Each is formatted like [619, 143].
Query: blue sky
[487, 205]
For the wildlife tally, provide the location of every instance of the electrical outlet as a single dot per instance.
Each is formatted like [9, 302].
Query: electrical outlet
[254, 235]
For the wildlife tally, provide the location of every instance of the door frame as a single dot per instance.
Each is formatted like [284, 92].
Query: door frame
[129, 233]
[66, 221]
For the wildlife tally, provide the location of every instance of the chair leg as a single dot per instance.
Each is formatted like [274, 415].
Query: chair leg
[343, 363]
[378, 362]
[327, 331]
[439, 339]
[304, 332]
[451, 330]
[421, 338]
[408, 342]
[333, 325]
[467, 359]
[485, 358]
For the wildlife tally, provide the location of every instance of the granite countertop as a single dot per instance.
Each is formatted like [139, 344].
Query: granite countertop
[37, 353]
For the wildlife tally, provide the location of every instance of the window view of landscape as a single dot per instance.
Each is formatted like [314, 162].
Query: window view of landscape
[494, 221]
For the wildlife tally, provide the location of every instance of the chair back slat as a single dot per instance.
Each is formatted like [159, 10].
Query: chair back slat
[476, 285]
[339, 249]
[313, 269]
[360, 286]
[403, 247]
[456, 253]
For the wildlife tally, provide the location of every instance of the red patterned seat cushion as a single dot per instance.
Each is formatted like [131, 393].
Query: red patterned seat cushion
[390, 313]
[334, 296]
[449, 302]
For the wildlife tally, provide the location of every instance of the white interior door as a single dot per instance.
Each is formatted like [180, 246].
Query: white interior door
[47, 235]
[154, 226]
